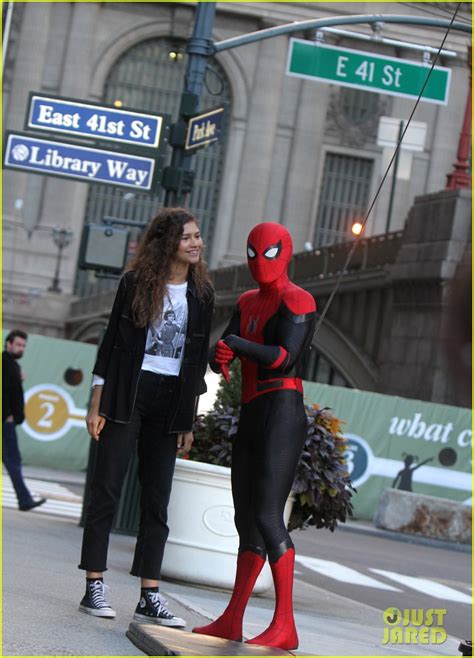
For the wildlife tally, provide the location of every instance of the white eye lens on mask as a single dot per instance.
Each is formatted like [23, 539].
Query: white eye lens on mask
[271, 253]
[250, 252]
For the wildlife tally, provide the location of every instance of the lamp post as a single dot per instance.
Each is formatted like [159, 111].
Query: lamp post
[460, 176]
[62, 238]
[178, 177]
[394, 179]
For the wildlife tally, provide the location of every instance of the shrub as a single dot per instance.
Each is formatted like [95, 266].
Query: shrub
[322, 485]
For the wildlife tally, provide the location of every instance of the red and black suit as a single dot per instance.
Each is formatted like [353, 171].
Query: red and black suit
[270, 330]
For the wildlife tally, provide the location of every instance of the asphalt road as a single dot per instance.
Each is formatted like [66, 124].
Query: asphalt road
[362, 553]
[343, 580]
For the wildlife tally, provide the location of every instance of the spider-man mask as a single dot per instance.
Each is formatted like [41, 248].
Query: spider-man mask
[269, 251]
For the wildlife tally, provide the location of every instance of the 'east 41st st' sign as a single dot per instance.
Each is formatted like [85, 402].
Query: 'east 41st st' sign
[47, 156]
[363, 70]
[96, 121]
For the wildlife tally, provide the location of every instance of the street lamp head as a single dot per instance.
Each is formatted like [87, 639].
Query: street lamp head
[357, 228]
[62, 237]
[175, 55]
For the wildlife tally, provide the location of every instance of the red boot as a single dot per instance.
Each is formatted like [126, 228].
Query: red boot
[229, 624]
[282, 631]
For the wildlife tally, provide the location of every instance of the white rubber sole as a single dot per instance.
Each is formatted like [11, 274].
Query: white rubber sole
[107, 614]
[176, 622]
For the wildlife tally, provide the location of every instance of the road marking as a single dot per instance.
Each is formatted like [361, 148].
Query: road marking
[343, 574]
[54, 507]
[429, 587]
[52, 489]
[61, 501]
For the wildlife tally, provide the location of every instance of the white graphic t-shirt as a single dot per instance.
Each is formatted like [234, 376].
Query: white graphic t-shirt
[164, 347]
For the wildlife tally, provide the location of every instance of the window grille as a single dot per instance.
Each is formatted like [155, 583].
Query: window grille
[359, 106]
[343, 199]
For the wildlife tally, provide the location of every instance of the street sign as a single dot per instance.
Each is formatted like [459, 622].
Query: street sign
[91, 165]
[363, 70]
[204, 128]
[413, 140]
[95, 121]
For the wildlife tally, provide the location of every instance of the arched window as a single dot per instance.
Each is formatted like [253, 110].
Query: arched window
[319, 369]
[149, 76]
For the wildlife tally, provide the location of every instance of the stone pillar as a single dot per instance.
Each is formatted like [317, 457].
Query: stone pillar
[412, 358]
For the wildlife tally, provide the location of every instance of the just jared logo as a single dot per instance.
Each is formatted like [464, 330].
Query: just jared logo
[414, 626]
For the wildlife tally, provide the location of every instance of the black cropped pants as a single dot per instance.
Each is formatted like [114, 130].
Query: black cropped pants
[271, 435]
[156, 450]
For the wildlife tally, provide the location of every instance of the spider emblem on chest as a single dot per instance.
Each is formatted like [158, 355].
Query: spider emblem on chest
[252, 325]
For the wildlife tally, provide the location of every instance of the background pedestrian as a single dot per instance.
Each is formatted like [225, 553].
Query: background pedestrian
[13, 414]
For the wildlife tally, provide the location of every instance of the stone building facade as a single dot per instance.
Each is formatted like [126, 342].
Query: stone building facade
[295, 151]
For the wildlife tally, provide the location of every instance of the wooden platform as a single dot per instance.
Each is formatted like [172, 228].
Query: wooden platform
[156, 640]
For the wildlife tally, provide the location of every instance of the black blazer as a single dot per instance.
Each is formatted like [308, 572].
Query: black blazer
[121, 353]
[12, 390]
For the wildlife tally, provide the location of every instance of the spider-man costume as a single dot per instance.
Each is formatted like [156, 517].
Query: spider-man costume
[269, 331]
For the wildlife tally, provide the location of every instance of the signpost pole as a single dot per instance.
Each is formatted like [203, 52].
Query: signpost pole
[460, 176]
[177, 178]
[394, 178]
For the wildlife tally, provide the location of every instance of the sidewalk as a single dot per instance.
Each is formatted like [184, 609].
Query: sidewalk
[42, 589]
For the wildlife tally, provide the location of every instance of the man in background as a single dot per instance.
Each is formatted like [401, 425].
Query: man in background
[13, 414]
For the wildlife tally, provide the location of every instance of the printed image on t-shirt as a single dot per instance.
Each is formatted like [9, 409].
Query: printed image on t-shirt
[166, 338]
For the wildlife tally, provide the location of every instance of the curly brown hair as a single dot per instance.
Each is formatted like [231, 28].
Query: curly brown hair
[153, 260]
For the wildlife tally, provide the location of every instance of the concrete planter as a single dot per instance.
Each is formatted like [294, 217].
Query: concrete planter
[203, 542]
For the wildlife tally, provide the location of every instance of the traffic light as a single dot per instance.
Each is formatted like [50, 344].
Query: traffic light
[178, 180]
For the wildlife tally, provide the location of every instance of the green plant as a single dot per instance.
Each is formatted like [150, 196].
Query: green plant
[322, 486]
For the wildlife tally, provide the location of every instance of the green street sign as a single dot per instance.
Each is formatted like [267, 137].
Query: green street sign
[355, 68]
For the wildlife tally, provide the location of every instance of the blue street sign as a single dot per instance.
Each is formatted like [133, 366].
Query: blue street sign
[204, 128]
[68, 116]
[46, 156]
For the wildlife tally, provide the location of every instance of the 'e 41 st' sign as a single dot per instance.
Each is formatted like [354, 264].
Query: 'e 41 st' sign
[355, 68]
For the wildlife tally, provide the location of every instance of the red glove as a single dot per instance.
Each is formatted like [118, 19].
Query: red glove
[224, 356]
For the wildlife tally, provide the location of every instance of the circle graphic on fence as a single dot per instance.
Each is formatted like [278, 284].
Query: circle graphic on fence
[359, 458]
[447, 456]
[50, 412]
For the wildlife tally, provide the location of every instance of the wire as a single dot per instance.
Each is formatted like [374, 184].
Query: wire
[384, 178]
[435, 13]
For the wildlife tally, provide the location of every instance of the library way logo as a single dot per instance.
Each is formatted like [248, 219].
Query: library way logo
[414, 626]
[20, 152]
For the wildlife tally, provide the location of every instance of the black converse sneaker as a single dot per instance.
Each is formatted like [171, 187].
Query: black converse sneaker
[152, 607]
[94, 601]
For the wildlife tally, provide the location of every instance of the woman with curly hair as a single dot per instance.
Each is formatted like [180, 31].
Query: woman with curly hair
[147, 378]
